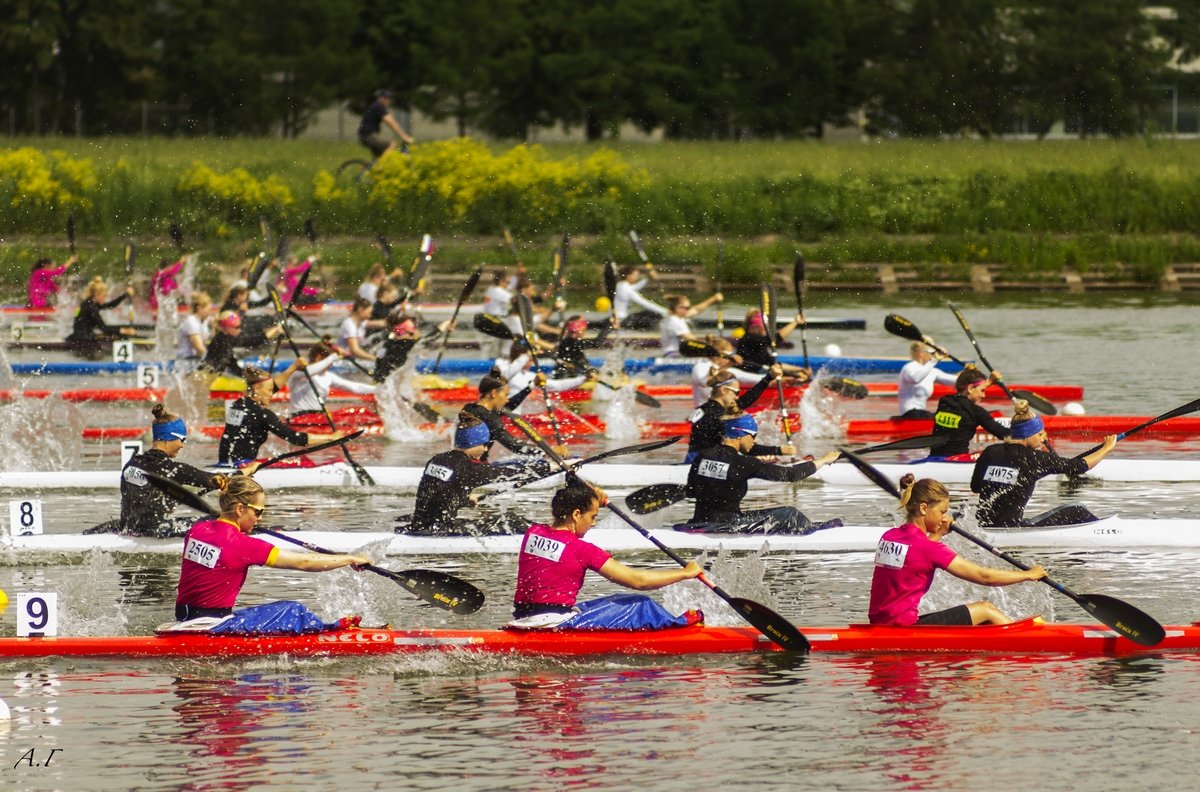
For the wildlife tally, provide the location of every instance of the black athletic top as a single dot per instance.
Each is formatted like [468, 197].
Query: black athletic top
[571, 356]
[719, 477]
[1005, 476]
[247, 425]
[445, 486]
[89, 324]
[495, 424]
[372, 119]
[392, 356]
[144, 506]
[708, 424]
[959, 417]
[755, 349]
[220, 357]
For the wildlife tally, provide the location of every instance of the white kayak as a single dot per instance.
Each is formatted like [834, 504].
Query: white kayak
[1107, 533]
[617, 476]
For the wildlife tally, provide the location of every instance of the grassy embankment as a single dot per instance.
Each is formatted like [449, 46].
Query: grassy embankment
[1034, 207]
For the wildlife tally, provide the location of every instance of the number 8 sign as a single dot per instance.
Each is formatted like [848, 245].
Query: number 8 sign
[25, 518]
[37, 614]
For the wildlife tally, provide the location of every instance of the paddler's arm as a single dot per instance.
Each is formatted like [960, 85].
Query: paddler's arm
[989, 576]
[313, 562]
[647, 579]
[749, 397]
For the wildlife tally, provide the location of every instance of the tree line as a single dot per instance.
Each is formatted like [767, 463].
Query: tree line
[695, 69]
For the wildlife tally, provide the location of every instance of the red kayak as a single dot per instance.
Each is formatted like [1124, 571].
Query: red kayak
[1031, 636]
[1076, 427]
[1054, 393]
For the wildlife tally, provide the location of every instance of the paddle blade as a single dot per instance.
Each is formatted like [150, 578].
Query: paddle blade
[924, 441]
[130, 256]
[469, 286]
[844, 386]
[692, 348]
[176, 235]
[1133, 623]
[71, 232]
[610, 279]
[385, 246]
[798, 275]
[641, 448]
[525, 312]
[265, 229]
[641, 397]
[491, 326]
[256, 271]
[437, 588]
[182, 494]
[418, 273]
[311, 449]
[636, 241]
[897, 325]
[424, 410]
[872, 474]
[311, 230]
[508, 238]
[655, 497]
[767, 303]
[1036, 402]
[770, 624]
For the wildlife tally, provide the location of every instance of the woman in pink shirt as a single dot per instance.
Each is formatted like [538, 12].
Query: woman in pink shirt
[43, 281]
[218, 553]
[555, 558]
[163, 282]
[908, 557]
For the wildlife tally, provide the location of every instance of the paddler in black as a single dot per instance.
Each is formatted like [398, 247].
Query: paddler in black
[89, 331]
[145, 509]
[248, 422]
[1006, 474]
[493, 397]
[959, 415]
[754, 347]
[719, 478]
[402, 336]
[571, 353]
[708, 420]
[446, 487]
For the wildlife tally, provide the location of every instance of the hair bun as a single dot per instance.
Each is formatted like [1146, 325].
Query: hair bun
[907, 480]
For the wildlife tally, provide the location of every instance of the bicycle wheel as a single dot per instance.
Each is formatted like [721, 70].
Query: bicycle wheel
[352, 172]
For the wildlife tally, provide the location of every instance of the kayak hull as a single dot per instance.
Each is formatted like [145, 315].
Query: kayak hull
[1026, 637]
[1108, 533]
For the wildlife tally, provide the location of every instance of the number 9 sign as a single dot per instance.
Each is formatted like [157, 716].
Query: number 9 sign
[37, 614]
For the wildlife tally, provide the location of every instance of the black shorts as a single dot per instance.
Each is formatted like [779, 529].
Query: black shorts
[959, 614]
[377, 142]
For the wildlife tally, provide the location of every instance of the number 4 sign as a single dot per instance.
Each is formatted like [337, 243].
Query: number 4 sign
[25, 518]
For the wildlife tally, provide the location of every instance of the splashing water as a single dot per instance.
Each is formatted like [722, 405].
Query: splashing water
[40, 434]
[402, 422]
[620, 416]
[166, 328]
[81, 611]
[818, 413]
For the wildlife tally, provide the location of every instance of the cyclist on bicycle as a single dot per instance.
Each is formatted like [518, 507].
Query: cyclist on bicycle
[370, 133]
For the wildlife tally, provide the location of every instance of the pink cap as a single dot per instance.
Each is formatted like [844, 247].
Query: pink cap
[755, 320]
[230, 320]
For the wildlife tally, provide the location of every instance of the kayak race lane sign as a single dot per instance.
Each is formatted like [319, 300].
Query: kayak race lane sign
[25, 517]
[37, 614]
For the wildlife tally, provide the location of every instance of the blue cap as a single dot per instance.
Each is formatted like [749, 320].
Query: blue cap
[470, 436]
[741, 426]
[1027, 429]
[171, 430]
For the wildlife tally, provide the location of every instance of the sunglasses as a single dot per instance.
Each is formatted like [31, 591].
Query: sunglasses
[258, 510]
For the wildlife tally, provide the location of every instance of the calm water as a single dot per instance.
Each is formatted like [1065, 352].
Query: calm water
[944, 722]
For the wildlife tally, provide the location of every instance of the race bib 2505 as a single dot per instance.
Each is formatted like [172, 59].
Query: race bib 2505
[202, 553]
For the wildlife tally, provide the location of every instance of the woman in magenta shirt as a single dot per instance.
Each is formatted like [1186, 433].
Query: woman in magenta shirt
[555, 558]
[43, 281]
[218, 553]
[908, 557]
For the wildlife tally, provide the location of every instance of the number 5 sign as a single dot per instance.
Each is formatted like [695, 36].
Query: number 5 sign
[37, 614]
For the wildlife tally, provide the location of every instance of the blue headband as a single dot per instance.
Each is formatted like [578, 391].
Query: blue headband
[471, 436]
[743, 425]
[1027, 429]
[171, 430]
